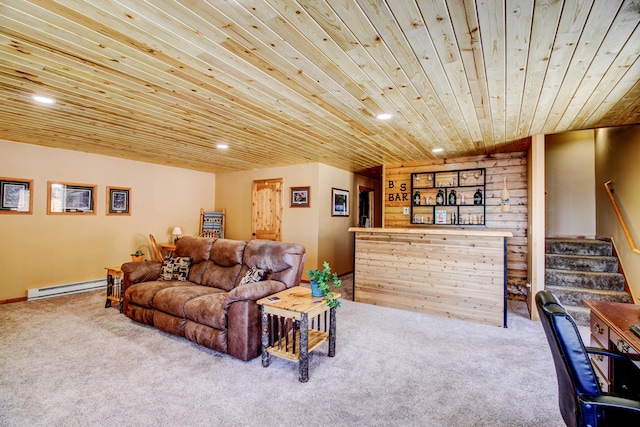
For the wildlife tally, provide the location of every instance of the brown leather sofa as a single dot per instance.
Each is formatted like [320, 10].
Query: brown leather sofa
[213, 307]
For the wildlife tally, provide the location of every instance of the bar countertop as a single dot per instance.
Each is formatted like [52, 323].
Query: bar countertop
[438, 231]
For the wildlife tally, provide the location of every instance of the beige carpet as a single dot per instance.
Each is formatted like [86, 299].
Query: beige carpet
[67, 361]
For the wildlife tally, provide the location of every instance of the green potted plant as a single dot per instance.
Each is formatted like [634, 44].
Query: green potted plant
[138, 256]
[320, 280]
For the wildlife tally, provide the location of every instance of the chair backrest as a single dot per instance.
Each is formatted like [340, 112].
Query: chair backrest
[574, 371]
[157, 255]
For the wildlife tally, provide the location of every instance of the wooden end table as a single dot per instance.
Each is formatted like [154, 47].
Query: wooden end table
[294, 323]
[114, 287]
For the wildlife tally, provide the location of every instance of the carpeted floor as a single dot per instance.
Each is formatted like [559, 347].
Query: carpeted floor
[67, 361]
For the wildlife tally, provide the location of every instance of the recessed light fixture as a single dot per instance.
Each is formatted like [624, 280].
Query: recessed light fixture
[438, 150]
[43, 99]
[222, 146]
[384, 116]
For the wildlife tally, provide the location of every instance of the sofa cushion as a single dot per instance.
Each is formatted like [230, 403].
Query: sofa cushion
[225, 262]
[208, 310]
[281, 261]
[195, 247]
[172, 300]
[175, 269]
[143, 293]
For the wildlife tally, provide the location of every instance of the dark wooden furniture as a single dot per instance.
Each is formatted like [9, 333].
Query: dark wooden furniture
[610, 322]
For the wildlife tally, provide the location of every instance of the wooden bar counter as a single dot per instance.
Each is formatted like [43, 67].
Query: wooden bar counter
[446, 272]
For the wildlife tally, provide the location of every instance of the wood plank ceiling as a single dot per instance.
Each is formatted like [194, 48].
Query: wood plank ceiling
[287, 82]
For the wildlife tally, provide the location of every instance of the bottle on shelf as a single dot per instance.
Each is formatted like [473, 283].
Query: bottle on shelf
[505, 200]
[452, 197]
[477, 197]
[440, 197]
[416, 198]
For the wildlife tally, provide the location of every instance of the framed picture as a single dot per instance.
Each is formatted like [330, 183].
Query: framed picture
[300, 197]
[441, 216]
[68, 198]
[16, 196]
[118, 201]
[339, 202]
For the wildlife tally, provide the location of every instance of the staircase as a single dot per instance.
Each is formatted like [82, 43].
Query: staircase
[578, 269]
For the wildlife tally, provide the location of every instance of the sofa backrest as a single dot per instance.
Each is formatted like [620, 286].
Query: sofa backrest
[221, 263]
[224, 264]
[280, 261]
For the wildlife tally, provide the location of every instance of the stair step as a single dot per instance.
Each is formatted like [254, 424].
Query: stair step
[581, 315]
[608, 264]
[573, 296]
[583, 279]
[579, 247]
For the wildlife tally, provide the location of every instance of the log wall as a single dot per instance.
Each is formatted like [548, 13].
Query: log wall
[513, 166]
[452, 273]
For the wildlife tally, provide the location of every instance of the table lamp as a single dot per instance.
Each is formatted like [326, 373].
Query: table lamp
[176, 233]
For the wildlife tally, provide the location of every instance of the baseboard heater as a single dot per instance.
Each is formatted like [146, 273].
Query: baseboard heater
[71, 288]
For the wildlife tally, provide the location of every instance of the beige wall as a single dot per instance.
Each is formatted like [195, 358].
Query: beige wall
[46, 250]
[617, 157]
[570, 184]
[335, 242]
[323, 236]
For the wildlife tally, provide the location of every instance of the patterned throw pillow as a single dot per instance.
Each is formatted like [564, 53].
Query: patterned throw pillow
[252, 275]
[175, 268]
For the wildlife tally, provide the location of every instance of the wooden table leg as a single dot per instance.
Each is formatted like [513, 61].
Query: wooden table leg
[332, 332]
[266, 357]
[304, 349]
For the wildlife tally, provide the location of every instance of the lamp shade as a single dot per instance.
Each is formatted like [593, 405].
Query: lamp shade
[177, 231]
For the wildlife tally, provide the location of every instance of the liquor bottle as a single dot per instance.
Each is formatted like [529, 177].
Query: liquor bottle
[452, 197]
[440, 197]
[477, 197]
[505, 201]
[416, 198]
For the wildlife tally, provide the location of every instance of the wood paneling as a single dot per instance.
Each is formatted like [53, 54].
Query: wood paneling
[286, 82]
[513, 166]
[430, 271]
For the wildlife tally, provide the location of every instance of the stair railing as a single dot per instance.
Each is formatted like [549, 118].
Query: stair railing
[607, 186]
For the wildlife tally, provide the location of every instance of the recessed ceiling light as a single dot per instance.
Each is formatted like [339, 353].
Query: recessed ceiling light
[43, 99]
[222, 146]
[438, 150]
[384, 116]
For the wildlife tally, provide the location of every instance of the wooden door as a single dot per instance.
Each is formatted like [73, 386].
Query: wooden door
[266, 215]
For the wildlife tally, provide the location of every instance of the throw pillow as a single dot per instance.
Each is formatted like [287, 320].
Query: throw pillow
[252, 275]
[175, 268]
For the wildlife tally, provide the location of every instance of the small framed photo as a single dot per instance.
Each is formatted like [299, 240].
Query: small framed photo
[16, 196]
[68, 198]
[300, 197]
[339, 202]
[118, 201]
[441, 216]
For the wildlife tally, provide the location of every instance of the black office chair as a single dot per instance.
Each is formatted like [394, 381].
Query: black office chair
[582, 403]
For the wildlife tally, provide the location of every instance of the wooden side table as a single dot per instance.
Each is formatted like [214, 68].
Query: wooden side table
[114, 287]
[294, 323]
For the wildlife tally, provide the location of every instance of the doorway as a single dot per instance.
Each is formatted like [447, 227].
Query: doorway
[366, 207]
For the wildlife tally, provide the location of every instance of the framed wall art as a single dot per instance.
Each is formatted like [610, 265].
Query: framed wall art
[300, 197]
[118, 201]
[16, 196]
[68, 198]
[339, 202]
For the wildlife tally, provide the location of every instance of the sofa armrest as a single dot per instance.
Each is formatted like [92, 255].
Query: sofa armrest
[253, 291]
[137, 272]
